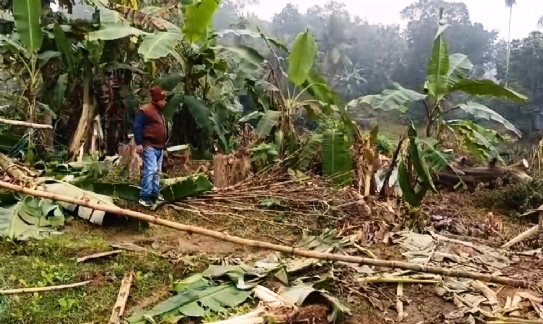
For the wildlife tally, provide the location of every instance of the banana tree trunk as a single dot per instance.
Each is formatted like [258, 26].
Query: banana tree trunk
[84, 121]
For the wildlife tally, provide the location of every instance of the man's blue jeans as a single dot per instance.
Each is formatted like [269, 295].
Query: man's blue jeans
[152, 168]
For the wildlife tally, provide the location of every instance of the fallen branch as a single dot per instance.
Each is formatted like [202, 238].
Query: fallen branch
[41, 289]
[522, 236]
[25, 124]
[396, 280]
[122, 298]
[98, 255]
[269, 246]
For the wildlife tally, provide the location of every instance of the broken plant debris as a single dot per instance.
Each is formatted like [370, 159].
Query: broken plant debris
[221, 288]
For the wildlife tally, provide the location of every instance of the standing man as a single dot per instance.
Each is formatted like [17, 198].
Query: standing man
[151, 135]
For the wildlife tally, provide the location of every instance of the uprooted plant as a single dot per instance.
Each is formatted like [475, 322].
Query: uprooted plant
[447, 79]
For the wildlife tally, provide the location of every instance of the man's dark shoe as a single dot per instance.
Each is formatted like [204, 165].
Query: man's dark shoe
[145, 203]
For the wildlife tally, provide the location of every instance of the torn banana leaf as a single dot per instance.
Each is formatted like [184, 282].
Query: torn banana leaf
[197, 298]
[30, 218]
[182, 187]
[66, 189]
[124, 191]
[298, 294]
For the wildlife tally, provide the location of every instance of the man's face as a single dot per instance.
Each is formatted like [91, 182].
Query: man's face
[162, 103]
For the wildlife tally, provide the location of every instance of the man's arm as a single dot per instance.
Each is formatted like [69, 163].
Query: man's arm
[138, 127]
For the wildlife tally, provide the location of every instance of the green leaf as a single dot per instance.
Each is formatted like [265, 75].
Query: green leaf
[417, 160]
[437, 159]
[66, 189]
[26, 14]
[178, 188]
[46, 56]
[478, 140]
[238, 33]
[170, 81]
[14, 46]
[480, 111]
[301, 58]
[124, 191]
[438, 68]
[337, 161]
[159, 45]
[393, 99]
[318, 88]
[58, 95]
[404, 181]
[113, 32]
[267, 122]
[245, 56]
[30, 218]
[198, 17]
[487, 88]
[194, 300]
[173, 105]
[200, 112]
[220, 131]
[65, 47]
[459, 69]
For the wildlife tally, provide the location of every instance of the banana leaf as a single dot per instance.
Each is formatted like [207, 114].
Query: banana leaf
[30, 218]
[196, 297]
[182, 187]
[66, 189]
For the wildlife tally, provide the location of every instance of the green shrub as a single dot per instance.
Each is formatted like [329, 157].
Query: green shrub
[514, 199]
[384, 146]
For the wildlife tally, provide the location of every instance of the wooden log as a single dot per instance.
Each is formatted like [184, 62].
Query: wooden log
[270, 246]
[488, 174]
[122, 298]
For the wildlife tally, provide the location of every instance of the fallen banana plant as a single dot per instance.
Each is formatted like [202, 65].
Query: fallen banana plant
[269, 246]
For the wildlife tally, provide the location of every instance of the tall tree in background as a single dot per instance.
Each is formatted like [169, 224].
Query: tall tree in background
[509, 4]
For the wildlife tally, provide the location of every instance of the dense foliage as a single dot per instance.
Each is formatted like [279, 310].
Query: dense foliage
[85, 69]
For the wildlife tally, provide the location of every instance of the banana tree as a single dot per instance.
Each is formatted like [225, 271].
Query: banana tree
[24, 47]
[297, 89]
[196, 67]
[446, 76]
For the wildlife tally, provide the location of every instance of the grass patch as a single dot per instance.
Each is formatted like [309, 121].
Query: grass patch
[52, 262]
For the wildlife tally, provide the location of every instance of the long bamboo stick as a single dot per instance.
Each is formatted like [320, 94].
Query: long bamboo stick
[41, 289]
[269, 246]
[22, 123]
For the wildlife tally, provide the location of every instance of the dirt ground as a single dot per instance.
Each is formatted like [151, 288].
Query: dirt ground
[421, 302]
[370, 304]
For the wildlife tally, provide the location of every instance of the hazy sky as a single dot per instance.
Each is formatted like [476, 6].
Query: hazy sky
[491, 13]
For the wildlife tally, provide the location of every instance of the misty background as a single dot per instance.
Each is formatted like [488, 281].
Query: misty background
[364, 48]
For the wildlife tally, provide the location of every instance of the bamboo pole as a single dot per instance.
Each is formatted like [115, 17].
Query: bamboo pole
[25, 124]
[269, 246]
[42, 289]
